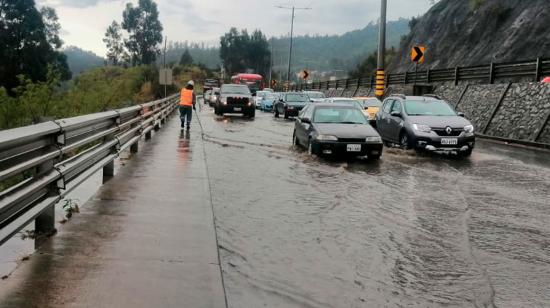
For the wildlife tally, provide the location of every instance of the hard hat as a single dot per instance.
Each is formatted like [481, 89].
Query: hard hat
[191, 83]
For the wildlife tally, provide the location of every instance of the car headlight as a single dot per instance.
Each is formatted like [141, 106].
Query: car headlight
[422, 128]
[326, 138]
[469, 129]
[373, 140]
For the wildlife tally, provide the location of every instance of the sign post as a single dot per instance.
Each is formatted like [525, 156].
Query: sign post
[165, 76]
[417, 56]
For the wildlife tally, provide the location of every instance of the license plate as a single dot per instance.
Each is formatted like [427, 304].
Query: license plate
[354, 148]
[449, 141]
[237, 109]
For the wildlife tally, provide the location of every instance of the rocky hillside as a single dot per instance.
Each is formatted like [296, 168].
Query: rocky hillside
[472, 32]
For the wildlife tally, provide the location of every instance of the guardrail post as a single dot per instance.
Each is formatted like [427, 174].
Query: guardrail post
[456, 75]
[538, 70]
[492, 73]
[44, 223]
[428, 73]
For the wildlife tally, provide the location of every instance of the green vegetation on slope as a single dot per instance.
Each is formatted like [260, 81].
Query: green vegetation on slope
[80, 60]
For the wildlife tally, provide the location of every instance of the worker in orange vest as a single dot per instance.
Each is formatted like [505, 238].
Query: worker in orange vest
[187, 103]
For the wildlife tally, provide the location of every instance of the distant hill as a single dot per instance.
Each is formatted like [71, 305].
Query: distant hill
[80, 60]
[463, 33]
[336, 52]
[209, 56]
[318, 52]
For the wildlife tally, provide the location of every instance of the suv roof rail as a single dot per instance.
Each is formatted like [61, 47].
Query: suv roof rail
[403, 96]
[432, 96]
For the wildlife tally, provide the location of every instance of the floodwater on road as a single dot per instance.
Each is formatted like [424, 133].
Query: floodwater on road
[407, 231]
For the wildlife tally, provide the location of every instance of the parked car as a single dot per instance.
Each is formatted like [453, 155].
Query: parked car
[259, 96]
[214, 97]
[268, 90]
[268, 101]
[371, 106]
[315, 96]
[336, 129]
[290, 104]
[235, 98]
[425, 123]
[207, 95]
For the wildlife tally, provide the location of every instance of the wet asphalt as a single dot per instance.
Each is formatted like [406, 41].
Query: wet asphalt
[298, 231]
[407, 231]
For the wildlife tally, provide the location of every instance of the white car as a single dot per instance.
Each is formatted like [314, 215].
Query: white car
[316, 96]
[259, 96]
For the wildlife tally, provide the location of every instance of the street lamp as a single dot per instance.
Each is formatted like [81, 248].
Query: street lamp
[293, 8]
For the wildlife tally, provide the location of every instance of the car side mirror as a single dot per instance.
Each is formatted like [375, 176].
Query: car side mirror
[461, 114]
[305, 120]
[396, 114]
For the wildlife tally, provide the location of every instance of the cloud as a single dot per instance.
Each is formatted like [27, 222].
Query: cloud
[206, 20]
[82, 3]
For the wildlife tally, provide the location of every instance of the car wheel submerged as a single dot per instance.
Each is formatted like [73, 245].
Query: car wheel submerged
[295, 141]
[310, 148]
[466, 153]
[405, 141]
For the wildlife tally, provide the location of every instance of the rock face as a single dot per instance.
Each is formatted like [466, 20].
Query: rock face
[474, 32]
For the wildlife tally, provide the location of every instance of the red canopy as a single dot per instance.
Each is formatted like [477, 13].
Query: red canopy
[546, 80]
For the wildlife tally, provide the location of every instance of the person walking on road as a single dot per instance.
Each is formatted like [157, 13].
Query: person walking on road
[187, 104]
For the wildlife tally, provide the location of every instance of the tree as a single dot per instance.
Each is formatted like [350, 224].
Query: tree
[145, 31]
[30, 43]
[52, 27]
[186, 58]
[115, 44]
[240, 52]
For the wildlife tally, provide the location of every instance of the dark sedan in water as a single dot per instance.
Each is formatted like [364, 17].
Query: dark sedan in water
[336, 129]
[290, 104]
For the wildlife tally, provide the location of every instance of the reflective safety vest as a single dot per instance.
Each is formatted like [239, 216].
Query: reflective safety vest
[186, 97]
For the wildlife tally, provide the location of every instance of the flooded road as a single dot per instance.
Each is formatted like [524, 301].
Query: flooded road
[407, 231]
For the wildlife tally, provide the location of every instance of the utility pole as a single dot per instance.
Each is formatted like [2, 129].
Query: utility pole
[293, 8]
[165, 71]
[271, 64]
[380, 73]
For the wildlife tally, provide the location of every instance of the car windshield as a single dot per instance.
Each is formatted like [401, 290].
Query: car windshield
[428, 108]
[349, 102]
[272, 96]
[262, 94]
[235, 89]
[342, 115]
[316, 95]
[297, 97]
[371, 102]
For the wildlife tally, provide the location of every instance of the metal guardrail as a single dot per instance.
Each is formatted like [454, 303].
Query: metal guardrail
[40, 164]
[534, 70]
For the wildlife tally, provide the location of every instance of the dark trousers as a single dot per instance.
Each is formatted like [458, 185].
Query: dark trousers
[186, 112]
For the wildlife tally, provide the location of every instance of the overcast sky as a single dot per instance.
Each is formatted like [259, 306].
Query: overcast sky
[84, 21]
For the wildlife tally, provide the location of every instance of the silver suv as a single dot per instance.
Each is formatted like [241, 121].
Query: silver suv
[425, 123]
